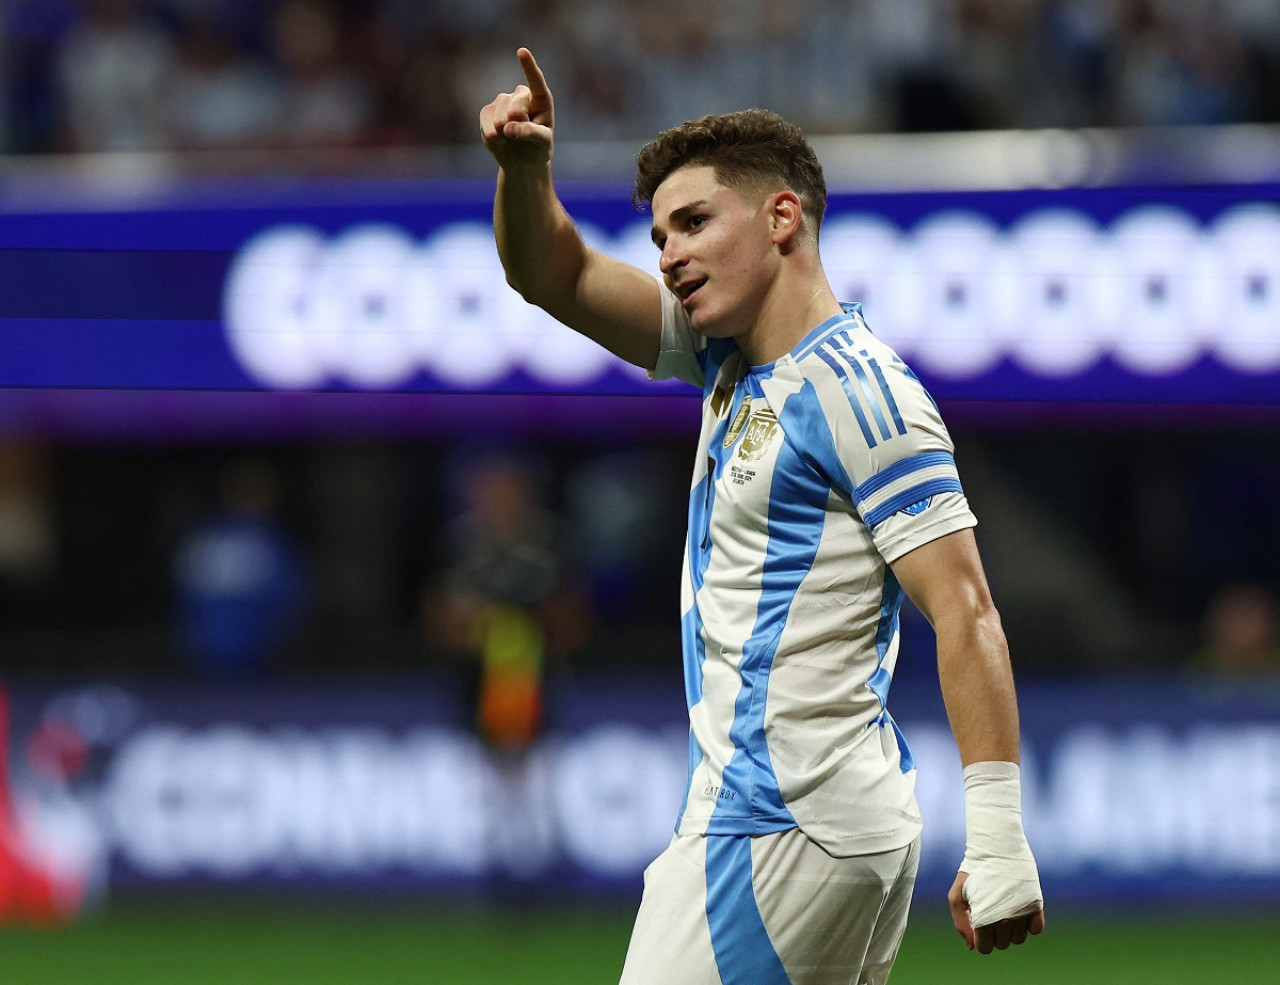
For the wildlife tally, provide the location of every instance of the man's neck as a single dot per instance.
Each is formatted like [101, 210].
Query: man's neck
[787, 316]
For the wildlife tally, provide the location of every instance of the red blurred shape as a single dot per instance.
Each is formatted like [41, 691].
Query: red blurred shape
[29, 893]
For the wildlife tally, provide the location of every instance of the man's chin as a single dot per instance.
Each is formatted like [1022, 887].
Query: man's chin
[709, 327]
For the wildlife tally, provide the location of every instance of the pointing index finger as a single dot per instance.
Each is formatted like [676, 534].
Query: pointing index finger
[538, 88]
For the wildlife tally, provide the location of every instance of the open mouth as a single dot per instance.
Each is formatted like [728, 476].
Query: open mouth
[686, 291]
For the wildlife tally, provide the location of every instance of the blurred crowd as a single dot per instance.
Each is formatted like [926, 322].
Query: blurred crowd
[504, 562]
[145, 75]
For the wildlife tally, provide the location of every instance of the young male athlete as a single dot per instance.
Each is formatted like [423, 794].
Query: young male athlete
[824, 488]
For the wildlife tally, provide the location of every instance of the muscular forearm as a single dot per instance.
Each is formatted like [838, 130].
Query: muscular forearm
[996, 898]
[977, 686]
[545, 259]
[538, 244]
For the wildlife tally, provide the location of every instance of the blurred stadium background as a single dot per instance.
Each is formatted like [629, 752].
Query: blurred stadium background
[338, 589]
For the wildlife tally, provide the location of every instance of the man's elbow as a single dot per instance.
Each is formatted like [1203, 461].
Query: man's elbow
[975, 620]
[547, 289]
[518, 285]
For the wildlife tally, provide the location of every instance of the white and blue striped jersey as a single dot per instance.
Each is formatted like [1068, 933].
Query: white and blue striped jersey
[813, 473]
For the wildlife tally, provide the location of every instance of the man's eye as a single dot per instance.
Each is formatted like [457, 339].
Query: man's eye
[697, 220]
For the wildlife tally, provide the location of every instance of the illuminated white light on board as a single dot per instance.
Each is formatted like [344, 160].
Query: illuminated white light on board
[1241, 293]
[959, 256]
[468, 326]
[372, 308]
[1041, 306]
[1146, 302]
[267, 306]
[360, 316]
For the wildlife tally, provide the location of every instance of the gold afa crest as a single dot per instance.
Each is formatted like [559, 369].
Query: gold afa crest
[760, 431]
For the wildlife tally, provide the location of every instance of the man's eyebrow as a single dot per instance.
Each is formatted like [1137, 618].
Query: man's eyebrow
[677, 215]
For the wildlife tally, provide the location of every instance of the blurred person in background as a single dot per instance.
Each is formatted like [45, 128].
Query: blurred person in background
[28, 534]
[113, 67]
[27, 41]
[325, 101]
[219, 96]
[1175, 66]
[505, 601]
[507, 607]
[241, 580]
[622, 533]
[810, 515]
[1242, 635]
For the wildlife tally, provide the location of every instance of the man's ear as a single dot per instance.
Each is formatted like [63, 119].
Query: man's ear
[786, 216]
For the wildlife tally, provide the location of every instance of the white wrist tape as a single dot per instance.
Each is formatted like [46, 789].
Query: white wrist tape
[1003, 882]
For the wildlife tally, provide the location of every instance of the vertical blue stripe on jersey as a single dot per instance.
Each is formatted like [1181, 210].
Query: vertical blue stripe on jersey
[712, 357]
[694, 648]
[890, 606]
[906, 762]
[692, 643]
[888, 394]
[744, 953]
[796, 520]
[701, 500]
[807, 422]
[695, 760]
[842, 375]
[701, 503]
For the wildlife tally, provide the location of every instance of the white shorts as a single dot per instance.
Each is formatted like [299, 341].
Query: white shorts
[770, 910]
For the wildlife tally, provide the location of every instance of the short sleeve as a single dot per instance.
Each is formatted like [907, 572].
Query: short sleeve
[889, 450]
[680, 346]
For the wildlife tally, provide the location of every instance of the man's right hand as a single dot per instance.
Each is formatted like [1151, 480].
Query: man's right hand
[517, 126]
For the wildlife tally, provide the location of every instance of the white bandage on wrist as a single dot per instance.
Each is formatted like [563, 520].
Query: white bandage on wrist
[1003, 882]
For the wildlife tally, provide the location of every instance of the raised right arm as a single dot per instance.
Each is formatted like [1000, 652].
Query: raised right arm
[545, 259]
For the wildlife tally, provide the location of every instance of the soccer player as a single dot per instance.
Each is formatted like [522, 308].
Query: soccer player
[824, 488]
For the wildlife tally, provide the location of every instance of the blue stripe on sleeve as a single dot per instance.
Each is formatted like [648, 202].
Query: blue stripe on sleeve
[888, 394]
[839, 370]
[900, 468]
[872, 402]
[942, 484]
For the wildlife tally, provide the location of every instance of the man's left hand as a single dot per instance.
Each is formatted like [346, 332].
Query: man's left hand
[993, 937]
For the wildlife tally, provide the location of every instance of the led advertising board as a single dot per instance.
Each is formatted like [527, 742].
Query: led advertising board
[1131, 790]
[1124, 296]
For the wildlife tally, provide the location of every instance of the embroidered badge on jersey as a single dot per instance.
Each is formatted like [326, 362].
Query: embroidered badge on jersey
[739, 421]
[761, 427]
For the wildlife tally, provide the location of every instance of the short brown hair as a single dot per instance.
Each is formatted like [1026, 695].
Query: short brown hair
[747, 148]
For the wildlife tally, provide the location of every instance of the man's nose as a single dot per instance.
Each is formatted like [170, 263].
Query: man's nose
[672, 256]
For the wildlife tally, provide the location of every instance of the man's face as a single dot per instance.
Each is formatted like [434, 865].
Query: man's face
[717, 252]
